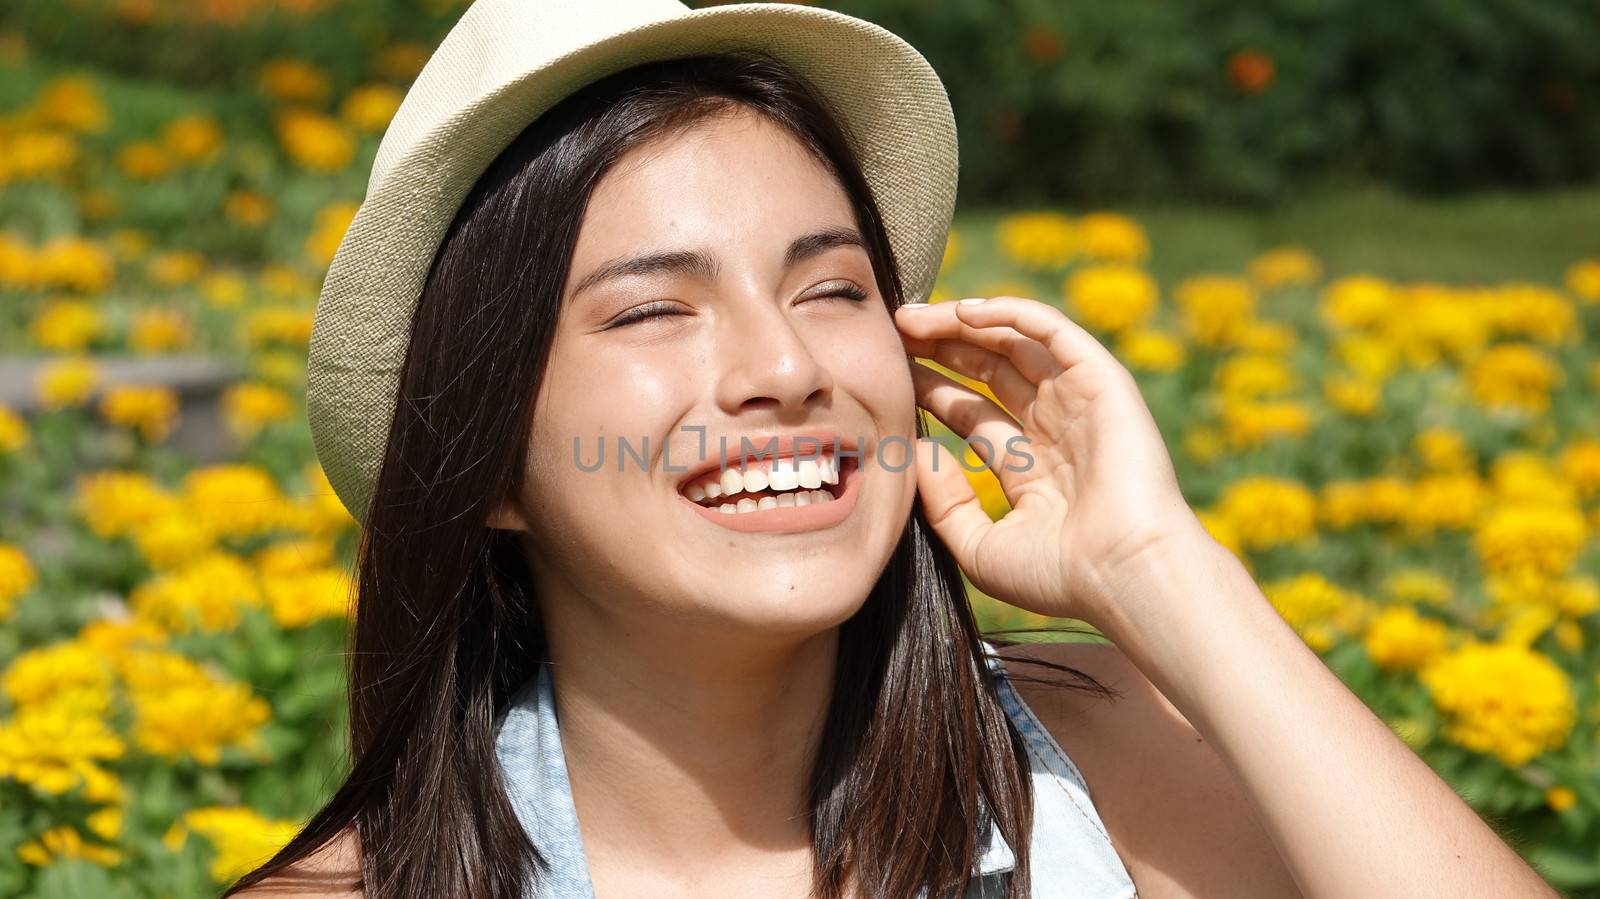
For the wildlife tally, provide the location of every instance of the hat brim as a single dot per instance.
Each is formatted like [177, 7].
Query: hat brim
[887, 97]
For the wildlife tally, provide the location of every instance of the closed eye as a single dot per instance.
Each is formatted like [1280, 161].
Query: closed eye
[847, 291]
[640, 313]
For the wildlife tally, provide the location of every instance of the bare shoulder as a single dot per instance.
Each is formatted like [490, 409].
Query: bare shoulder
[1181, 822]
[332, 872]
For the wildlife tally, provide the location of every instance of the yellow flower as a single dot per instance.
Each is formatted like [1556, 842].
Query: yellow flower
[67, 326]
[1533, 311]
[1248, 424]
[1352, 394]
[248, 208]
[67, 382]
[1283, 266]
[1560, 799]
[1525, 476]
[234, 500]
[953, 247]
[1216, 309]
[114, 638]
[1111, 297]
[208, 594]
[1271, 338]
[298, 599]
[13, 431]
[1148, 349]
[249, 407]
[1248, 376]
[1110, 237]
[1267, 511]
[1418, 585]
[223, 290]
[180, 710]
[64, 841]
[1443, 449]
[17, 576]
[242, 838]
[176, 268]
[293, 80]
[172, 539]
[314, 141]
[1580, 463]
[1371, 357]
[72, 102]
[401, 61]
[277, 325]
[1357, 301]
[1583, 280]
[332, 221]
[1319, 611]
[1503, 699]
[73, 263]
[370, 107]
[985, 484]
[144, 160]
[1400, 639]
[56, 747]
[130, 243]
[324, 513]
[68, 674]
[294, 557]
[192, 138]
[150, 410]
[158, 330]
[1042, 240]
[106, 822]
[115, 503]
[1530, 537]
[1452, 501]
[1513, 376]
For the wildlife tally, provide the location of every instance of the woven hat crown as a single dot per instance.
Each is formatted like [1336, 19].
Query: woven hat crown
[503, 65]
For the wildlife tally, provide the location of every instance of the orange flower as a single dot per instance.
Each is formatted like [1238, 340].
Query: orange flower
[1251, 70]
[1043, 44]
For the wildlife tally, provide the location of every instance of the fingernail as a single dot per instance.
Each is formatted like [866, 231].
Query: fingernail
[913, 305]
[972, 301]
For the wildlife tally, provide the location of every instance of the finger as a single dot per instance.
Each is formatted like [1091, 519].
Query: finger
[992, 433]
[939, 322]
[949, 503]
[1015, 392]
[1067, 342]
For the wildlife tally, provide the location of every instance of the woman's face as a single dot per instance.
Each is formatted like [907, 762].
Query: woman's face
[719, 291]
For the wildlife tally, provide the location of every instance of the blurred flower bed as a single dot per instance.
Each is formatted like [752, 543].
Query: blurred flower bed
[1411, 470]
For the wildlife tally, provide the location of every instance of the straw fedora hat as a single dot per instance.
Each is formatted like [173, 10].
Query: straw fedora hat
[506, 62]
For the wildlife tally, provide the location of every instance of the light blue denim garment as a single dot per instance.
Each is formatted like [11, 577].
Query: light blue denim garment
[1072, 854]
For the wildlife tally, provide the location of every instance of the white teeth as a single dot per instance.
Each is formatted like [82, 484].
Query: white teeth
[783, 476]
[803, 498]
[732, 481]
[696, 493]
[746, 504]
[754, 480]
[829, 469]
[786, 500]
[713, 489]
[727, 508]
[821, 496]
[810, 475]
[767, 502]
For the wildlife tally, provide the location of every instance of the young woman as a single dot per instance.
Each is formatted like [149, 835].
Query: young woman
[672, 677]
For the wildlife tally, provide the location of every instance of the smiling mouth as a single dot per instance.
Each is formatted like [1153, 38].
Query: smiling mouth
[766, 484]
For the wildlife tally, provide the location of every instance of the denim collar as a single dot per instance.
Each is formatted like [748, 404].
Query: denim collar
[534, 770]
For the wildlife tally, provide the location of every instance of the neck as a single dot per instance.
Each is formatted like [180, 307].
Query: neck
[687, 745]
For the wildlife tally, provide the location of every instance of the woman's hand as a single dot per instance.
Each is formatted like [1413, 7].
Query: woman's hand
[1099, 498]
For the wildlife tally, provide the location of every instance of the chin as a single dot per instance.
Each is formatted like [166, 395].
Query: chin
[798, 607]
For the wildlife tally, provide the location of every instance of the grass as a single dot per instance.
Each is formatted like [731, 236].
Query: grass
[1476, 238]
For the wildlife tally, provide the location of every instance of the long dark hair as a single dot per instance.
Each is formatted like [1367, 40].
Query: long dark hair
[447, 623]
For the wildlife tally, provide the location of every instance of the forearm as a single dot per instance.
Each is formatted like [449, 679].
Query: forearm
[1353, 811]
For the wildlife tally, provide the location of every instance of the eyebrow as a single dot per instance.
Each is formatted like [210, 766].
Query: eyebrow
[701, 264]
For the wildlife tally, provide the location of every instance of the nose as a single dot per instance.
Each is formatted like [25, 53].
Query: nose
[767, 362]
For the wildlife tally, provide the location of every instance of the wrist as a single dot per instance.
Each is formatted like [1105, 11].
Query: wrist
[1186, 573]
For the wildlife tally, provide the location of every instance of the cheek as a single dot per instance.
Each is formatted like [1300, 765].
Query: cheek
[872, 361]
